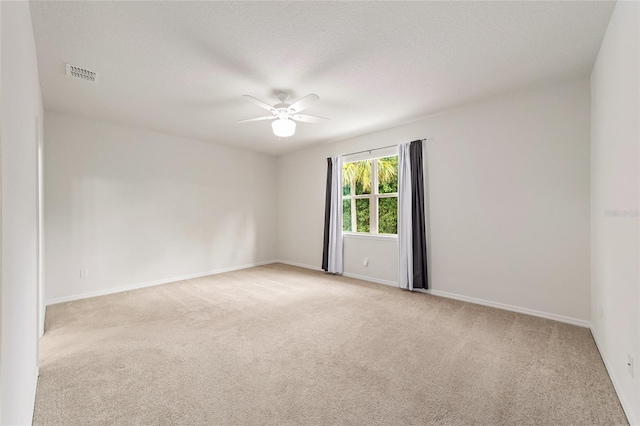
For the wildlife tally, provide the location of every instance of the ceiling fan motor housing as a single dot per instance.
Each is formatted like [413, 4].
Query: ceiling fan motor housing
[283, 112]
[283, 96]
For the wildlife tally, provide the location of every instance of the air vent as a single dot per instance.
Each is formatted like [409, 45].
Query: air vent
[82, 73]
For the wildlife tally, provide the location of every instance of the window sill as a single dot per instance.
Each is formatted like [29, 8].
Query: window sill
[383, 237]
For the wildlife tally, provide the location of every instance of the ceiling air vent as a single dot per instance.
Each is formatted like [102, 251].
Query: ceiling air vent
[82, 73]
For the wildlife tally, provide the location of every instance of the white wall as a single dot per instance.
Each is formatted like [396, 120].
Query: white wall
[20, 104]
[0, 215]
[382, 265]
[136, 207]
[508, 201]
[615, 174]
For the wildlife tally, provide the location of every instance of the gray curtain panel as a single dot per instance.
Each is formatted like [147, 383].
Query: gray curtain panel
[418, 230]
[327, 218]
[412, 236]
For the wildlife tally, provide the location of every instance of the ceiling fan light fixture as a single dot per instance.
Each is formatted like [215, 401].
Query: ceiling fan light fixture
[283, 127]
[284, 116]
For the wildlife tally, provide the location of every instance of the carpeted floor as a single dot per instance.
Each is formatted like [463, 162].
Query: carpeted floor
[278, 345]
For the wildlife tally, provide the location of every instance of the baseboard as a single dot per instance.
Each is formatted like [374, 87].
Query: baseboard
[497, 305]
[152, 283]
[299, 265]
[512, 308]
[345, 274]
[626, 406]
[373, 280]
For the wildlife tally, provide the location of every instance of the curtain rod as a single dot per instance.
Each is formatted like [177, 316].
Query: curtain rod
[383, 147]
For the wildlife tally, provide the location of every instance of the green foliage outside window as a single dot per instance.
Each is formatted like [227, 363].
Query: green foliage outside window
[357, 180]
[346, 215]
[387, 175]
[388, 215]
[362, 215]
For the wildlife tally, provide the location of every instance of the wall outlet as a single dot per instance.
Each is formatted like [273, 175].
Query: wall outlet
[630, 364]
[365, 261]
[84, 273]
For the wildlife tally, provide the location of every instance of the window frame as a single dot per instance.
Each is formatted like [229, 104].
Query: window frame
[374, 197]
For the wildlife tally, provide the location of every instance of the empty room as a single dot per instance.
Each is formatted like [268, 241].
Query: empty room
[320, 213]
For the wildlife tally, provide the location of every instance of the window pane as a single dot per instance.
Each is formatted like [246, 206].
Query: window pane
[388, 215]
[362, 214]
[346, 215]
[346, 187]
[356, 178]
[388, 175]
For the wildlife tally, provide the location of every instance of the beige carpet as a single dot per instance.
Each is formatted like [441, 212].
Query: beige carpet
[278, 345]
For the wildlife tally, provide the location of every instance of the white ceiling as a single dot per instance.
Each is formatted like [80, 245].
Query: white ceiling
[181, 67]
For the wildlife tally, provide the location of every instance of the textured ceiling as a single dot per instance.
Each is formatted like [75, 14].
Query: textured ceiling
[181, 67]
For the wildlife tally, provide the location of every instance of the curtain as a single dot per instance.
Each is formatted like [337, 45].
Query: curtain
[327, 218]
[405, 239]
[332, 252]
[412, 237]
[419, 233]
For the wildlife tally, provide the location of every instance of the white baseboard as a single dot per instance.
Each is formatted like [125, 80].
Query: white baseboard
[152, 283]
[373, 280]
[512, 308]
[498, 305]
[345, 274]
[299, 265]
[633, 419]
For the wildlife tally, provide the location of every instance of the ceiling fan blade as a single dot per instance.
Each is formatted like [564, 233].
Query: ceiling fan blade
[308, 118]
[304, 102]
[259, 103]
[271, 117]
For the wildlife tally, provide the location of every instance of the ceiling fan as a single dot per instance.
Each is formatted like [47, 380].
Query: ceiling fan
[284, 114]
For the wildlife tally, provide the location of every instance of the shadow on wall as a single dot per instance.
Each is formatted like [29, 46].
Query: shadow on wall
[126, 234]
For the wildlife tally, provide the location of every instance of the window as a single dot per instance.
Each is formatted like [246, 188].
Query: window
[370, 196]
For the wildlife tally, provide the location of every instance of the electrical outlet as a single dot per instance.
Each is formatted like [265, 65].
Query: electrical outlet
[630, 364]
[84, 273]
[365, 262]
